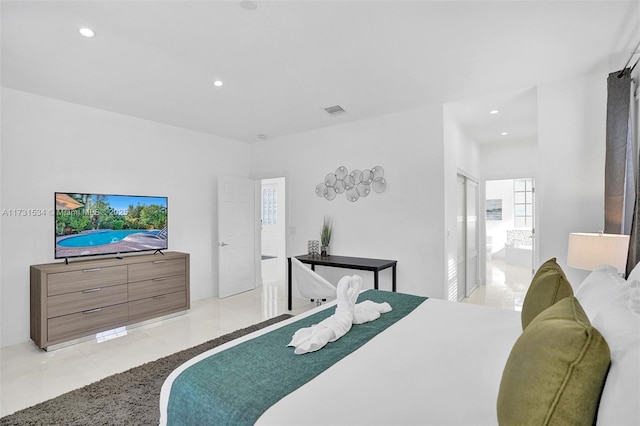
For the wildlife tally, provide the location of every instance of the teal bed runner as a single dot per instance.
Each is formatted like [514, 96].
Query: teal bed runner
[236, 386]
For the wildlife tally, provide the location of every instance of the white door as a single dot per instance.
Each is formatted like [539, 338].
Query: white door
[533, 226]
[461, 238]
[273, 230]
[473, 233]
[236, 235]
[468, 237]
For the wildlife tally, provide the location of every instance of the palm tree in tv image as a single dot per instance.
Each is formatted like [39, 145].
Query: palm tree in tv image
[70, 214]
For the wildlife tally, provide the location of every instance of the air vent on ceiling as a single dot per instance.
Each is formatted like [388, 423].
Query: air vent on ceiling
[335, 110]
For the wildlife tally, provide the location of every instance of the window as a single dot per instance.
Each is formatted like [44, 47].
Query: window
[523, 203]
[269, 206]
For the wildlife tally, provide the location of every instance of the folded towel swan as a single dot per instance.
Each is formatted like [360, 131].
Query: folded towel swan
[369, 310]
[311, 339]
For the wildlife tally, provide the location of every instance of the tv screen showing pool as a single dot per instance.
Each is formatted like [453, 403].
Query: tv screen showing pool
[97, 224]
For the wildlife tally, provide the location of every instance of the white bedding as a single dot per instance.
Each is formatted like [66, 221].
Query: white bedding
[440, 365]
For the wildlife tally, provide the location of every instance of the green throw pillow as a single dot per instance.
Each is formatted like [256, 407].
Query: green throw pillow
[549, 265]
[556, 370]
[548, 285]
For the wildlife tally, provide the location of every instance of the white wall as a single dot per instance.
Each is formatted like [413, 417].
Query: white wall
[465, 150]
[50, 145]
[404, 223]
[461, 155]
[567, 162]
[509, 160]
[571, 142]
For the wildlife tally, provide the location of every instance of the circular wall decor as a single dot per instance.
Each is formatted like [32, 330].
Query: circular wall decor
[355, 185]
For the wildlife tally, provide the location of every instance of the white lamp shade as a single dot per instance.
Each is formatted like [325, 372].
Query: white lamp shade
[590, 250]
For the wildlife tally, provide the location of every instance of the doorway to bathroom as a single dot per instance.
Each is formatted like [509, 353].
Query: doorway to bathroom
[510, 240]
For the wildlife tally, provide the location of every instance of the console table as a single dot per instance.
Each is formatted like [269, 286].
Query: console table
[359, 263]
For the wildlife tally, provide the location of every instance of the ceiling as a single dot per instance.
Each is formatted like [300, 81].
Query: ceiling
[501, 117]
[286, 61]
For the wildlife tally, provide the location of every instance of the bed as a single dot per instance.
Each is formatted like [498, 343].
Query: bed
[430, 361]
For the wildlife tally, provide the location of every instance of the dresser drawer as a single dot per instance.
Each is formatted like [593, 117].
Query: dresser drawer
[156, 287]
[83, 323]
[76, 300]
[85, 279]
[140, 310]
[85, 300]
[156, 269]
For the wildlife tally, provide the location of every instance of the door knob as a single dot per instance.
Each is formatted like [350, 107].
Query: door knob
[222, 244]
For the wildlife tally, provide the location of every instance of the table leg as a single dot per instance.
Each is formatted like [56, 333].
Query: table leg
[289, 298]
[375, 280]
[393, 279]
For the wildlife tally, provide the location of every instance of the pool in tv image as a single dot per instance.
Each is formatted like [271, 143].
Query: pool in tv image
[93, 224]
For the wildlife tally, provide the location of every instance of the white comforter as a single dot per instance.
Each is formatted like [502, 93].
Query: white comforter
[440, 365]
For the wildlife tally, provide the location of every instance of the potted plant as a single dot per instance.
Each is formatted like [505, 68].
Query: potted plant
[325, 236]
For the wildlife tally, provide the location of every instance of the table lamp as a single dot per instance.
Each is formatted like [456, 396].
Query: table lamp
[590, 250]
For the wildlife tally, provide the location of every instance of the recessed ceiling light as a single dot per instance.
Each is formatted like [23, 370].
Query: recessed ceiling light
[218, 83]
[494, 111]
[87, 32]
[504, 133]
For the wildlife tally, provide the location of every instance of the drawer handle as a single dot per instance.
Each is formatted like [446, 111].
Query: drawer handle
[158, 261]
[160, 279]
[91, 311]
[91, 270]
[159, 297]
[91, 290]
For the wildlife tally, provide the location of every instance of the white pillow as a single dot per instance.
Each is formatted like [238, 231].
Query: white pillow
[603, 288]
[634, 275]
[619, 405]
[634, 296]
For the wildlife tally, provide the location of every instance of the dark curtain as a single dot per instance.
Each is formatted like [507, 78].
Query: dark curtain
[617, 153]
[621, 180]
[633, 178]
[633, 257]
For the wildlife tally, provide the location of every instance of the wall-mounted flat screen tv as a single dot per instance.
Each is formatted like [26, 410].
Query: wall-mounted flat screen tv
[101, 224]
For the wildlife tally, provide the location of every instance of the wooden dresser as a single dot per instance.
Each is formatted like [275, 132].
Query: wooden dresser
[86, 297]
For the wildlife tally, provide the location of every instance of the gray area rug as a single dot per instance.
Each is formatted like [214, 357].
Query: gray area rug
[128, 398]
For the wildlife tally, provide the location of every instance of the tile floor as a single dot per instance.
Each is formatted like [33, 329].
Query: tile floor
[505, 288]
[29, 375]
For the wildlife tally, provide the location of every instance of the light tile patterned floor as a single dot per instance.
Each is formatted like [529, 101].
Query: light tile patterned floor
[505, 288]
